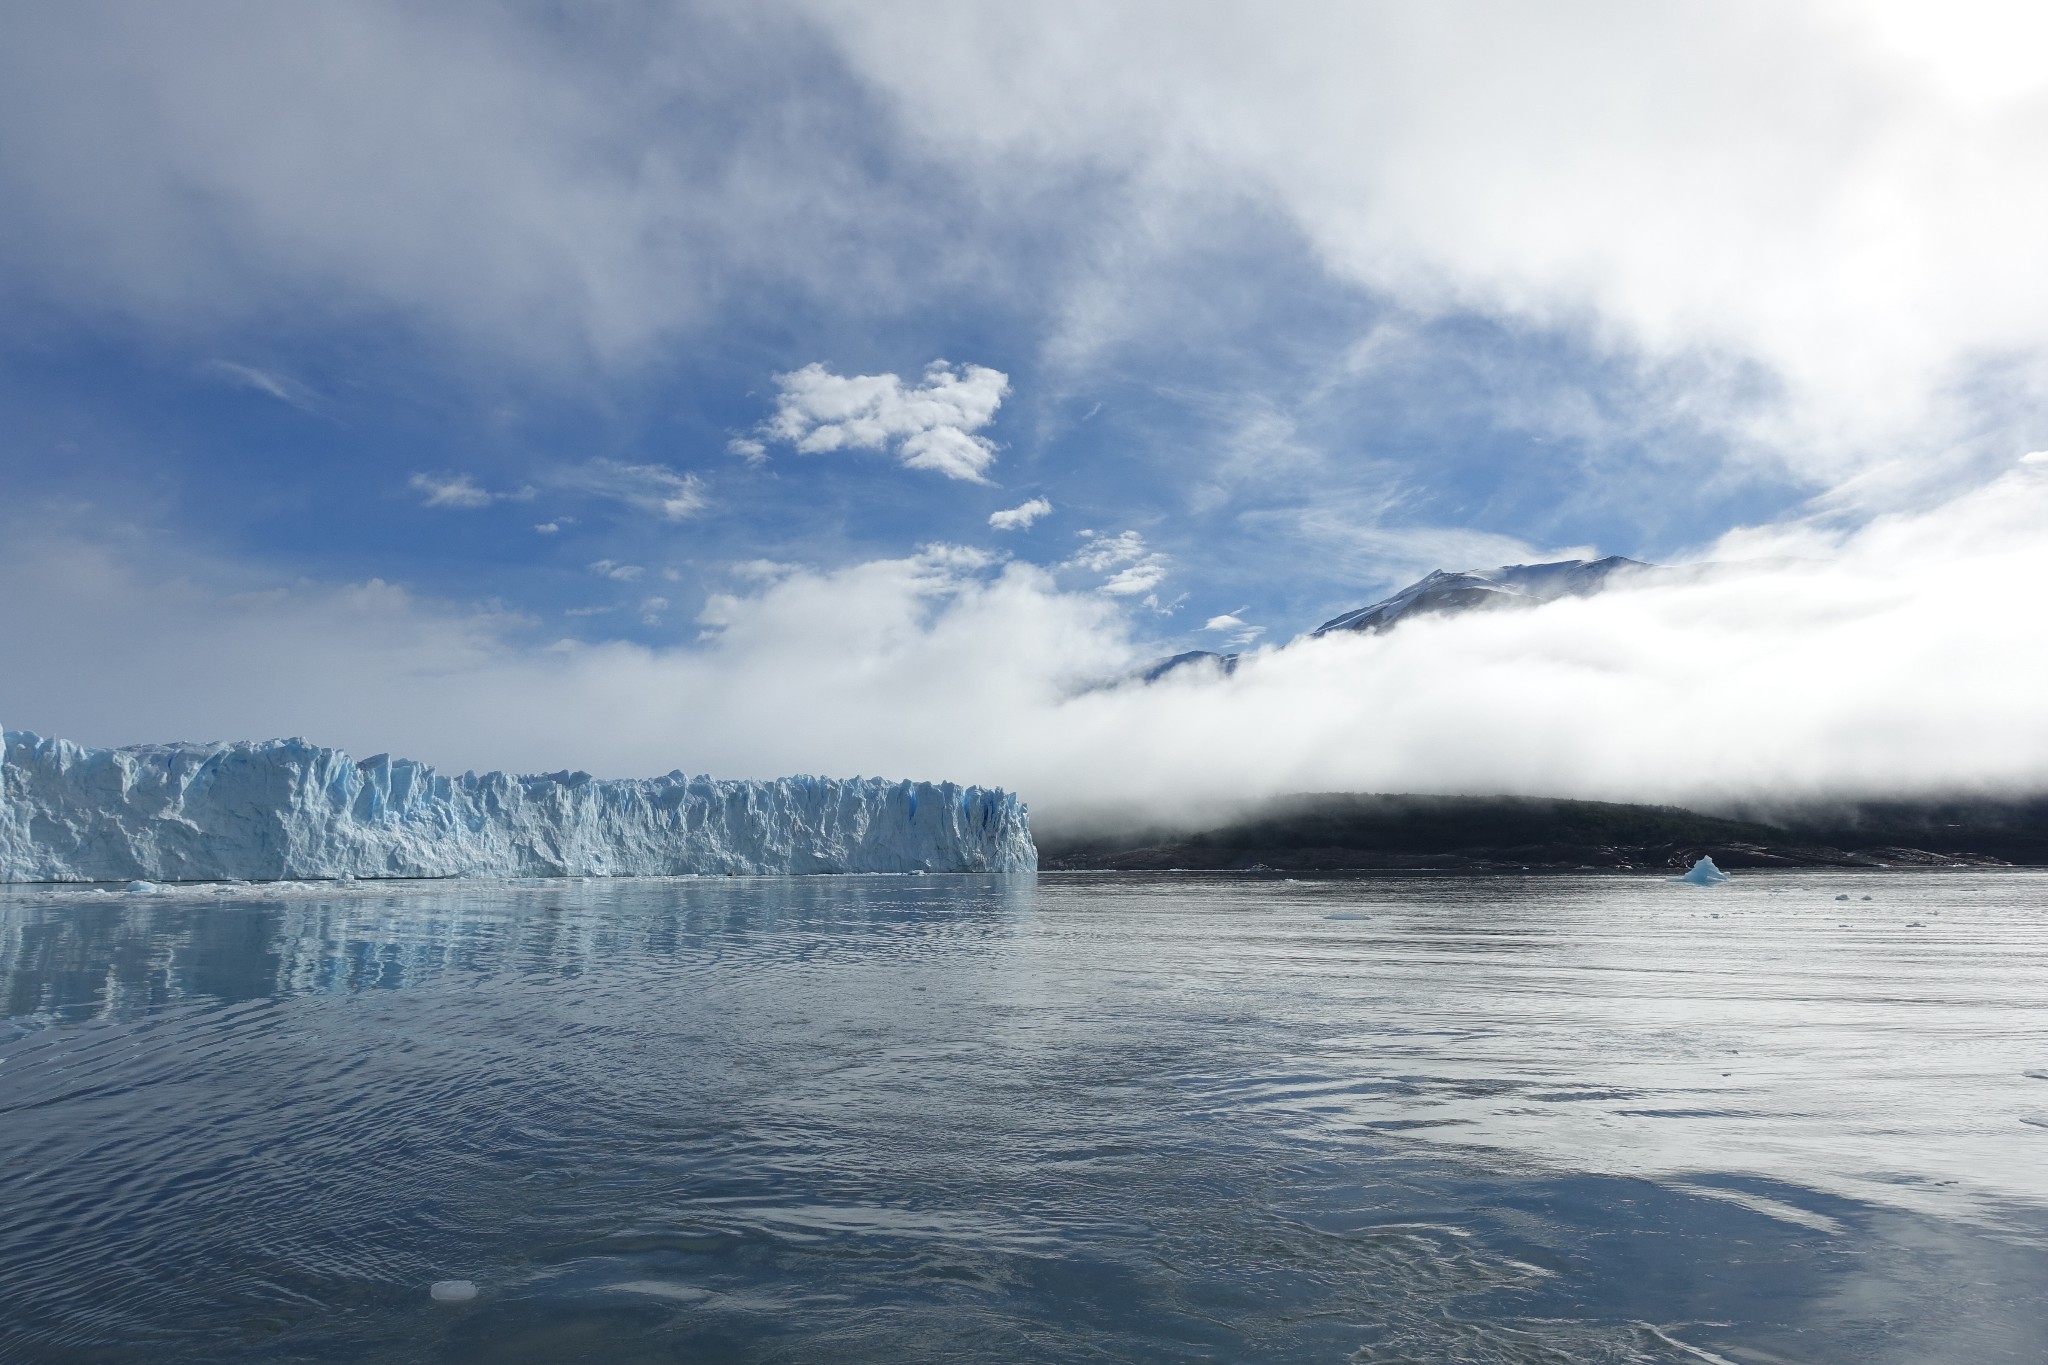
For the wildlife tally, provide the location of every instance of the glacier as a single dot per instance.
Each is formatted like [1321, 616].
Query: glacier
[290, 810]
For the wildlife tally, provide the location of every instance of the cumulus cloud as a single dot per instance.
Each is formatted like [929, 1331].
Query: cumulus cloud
[1907, 660]
[1132, 567]
[649, 487]
[1021, 516]
[1137, 578]
[929, 425]
[461, 491]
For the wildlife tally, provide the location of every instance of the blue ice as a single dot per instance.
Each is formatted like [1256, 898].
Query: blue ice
[1703, 873]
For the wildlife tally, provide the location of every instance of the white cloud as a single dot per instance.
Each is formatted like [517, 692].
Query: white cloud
[1102, 553]
[1021, 516]
[1138, 578]
[280, 386]
[1817, 222]
[930, 425]
[650, 487]
[1132, 566]
[1832, 202]
[451, 490]
[547, 528]
[611, 568]
[748, 449]
[1239, 633]
[510, 187]
[461, 491]
[1908, 661]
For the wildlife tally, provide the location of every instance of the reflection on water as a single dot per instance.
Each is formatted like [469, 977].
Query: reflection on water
[1124, 1118]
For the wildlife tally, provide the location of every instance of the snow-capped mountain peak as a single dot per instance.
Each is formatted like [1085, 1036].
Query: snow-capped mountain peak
[1511, 585]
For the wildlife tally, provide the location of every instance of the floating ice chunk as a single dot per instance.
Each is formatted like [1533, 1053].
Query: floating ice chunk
[453, 1291]
[1703, 873]
[142, 888]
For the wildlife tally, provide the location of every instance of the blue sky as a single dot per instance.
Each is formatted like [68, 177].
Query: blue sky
[1264, 477]
[1280, 315]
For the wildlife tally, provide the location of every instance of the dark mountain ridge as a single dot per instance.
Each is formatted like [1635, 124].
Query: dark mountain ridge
[1335, 831]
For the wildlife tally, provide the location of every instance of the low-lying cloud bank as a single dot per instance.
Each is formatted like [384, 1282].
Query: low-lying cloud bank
[1905, 657]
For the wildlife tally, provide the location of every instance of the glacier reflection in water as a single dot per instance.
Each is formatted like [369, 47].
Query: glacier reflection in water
[1111, 1118]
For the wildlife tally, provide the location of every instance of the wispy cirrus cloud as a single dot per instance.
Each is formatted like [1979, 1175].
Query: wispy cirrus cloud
[274, 383]
[929, 424]
[655, 488]
[461, 492]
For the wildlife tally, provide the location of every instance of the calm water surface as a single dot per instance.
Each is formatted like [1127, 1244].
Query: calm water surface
[1082, 1118]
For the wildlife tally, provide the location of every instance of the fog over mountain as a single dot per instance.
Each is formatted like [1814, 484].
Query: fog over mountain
[1897, 664]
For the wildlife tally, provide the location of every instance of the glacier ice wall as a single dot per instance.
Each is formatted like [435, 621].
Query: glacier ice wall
[279, 809]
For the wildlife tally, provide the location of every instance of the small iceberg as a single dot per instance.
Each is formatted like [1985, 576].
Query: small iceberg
[1703, 873]
[452, 1291]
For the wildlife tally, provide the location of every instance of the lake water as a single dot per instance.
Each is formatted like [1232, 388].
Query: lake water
[1076, 1118]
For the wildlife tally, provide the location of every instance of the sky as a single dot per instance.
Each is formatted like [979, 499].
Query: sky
[832, 387]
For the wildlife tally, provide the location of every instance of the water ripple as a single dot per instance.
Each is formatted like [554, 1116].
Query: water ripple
[1087, 1118]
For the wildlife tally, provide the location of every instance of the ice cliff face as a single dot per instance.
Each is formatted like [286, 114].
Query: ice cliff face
[287, 809]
